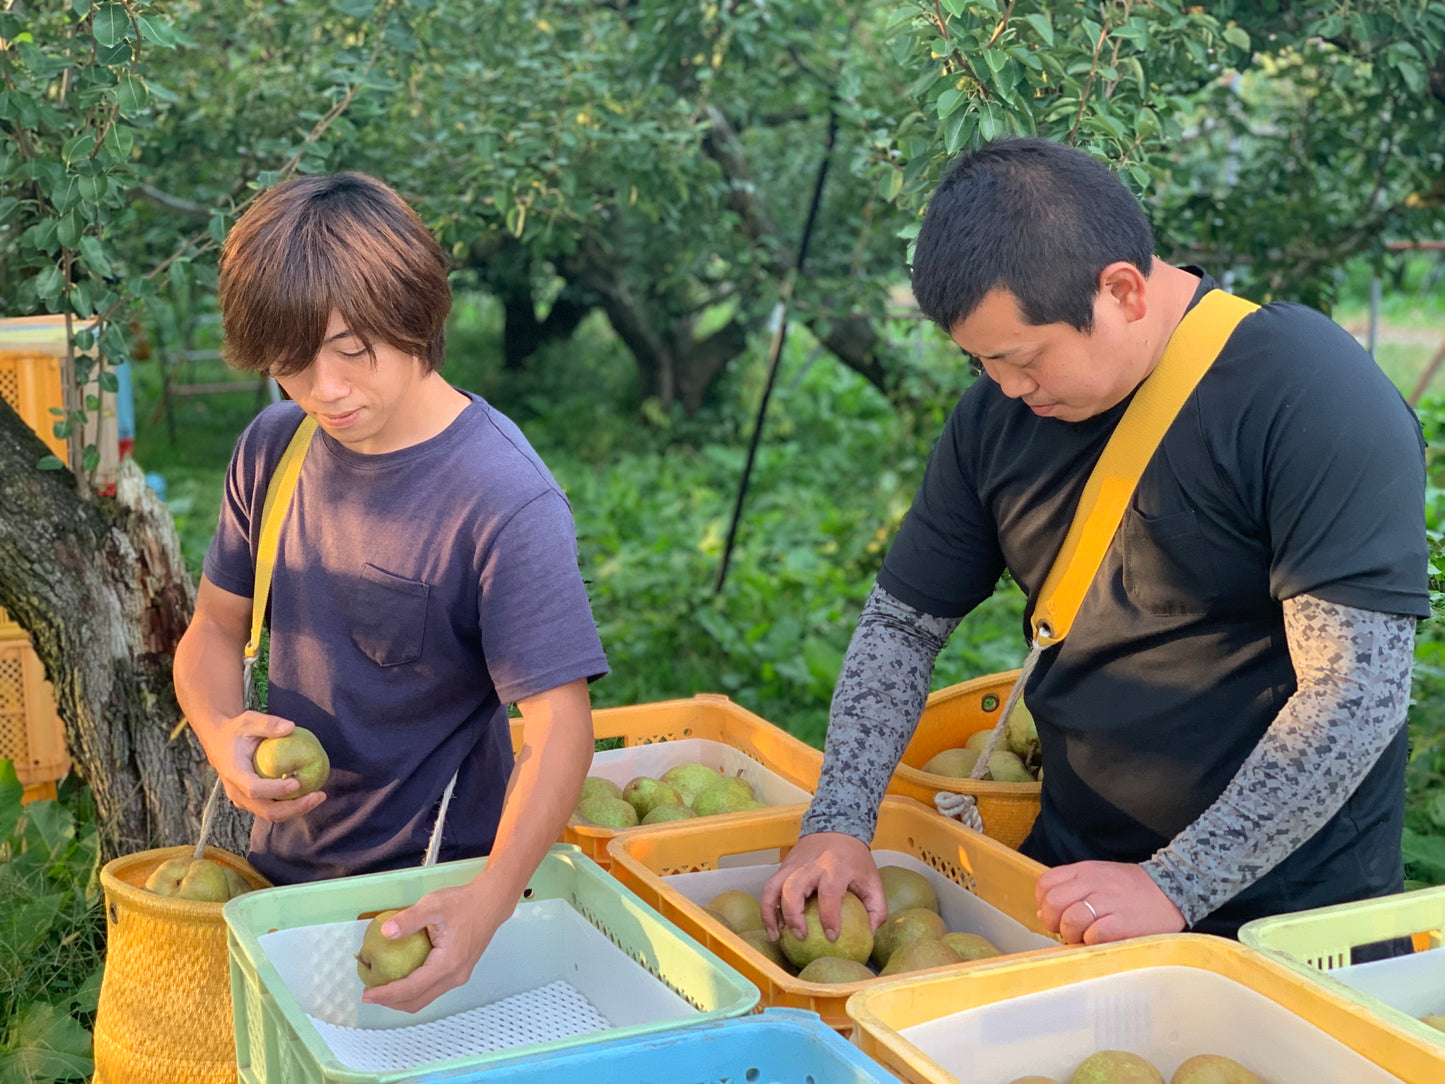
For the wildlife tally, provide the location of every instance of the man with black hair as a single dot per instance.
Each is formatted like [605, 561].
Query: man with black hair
[1223, 729]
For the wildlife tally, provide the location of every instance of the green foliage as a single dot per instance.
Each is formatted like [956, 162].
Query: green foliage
[51, 934]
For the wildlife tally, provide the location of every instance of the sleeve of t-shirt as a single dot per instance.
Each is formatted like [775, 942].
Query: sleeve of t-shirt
[536, 622]
[945, 559]
[1342, 489]
[229, 561]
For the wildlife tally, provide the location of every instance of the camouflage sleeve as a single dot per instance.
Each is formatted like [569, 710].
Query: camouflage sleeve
[1353, 687]
[880, 694]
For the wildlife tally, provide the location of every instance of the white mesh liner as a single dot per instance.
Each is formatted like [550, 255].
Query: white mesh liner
[563, 973]
[554, 1011]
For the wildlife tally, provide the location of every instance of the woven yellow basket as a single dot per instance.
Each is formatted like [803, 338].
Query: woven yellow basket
[165, 1001]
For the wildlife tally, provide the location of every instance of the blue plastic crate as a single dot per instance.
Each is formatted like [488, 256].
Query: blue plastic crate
[779, 1046]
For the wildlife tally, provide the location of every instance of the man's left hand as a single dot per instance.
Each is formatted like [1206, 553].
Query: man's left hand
[460, 922]
[1094, 902]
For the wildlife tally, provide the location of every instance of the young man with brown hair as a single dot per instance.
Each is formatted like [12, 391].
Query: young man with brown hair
[426, 577]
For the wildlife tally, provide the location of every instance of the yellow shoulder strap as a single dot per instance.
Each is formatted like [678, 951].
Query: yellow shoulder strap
[1192, 348]
[273, 512]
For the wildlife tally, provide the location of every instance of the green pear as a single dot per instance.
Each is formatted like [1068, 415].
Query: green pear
[835, 969]
[645, 794]
[297, 755]
[855, 934]
[668, 811]
[690, 780]
[737, 910]
[205, 881]
[917, 955]
[1116, 1067]
[978, 739]
[904, 889]
[970, 946]
[1212, 1069]
[595, 785]
[165, 879]
[765, 946]
[236, 882]
[914, 924]
[1005, 767]
[954, 763]
[607, 812]
[728, 796]
[1022, 734]
[382, 960]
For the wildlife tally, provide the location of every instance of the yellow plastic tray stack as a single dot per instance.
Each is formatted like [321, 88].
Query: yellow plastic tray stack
[643, 860]
[707, 717]
[1167, 998]
[949, 717]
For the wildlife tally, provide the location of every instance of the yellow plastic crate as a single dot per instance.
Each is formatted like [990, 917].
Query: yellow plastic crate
[31, 732]
[643, 860]
[1319, 940]
[708, 717]
[31, 383]
[1166, 997]
[949, 717]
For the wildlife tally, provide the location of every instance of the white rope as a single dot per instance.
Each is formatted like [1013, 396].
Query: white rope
[964, 807]
[434, 845]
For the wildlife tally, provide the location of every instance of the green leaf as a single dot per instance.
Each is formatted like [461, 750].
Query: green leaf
[7, 208]
[957, 129]
[61, 430]
[131, 94]
[70, 228]
[81, 8]
[950, 100]
[1427, 852]
[11, 792]
[356, 9]
[1043, 25]
[92, 402]
[77, 147]
[216, 227]
[47, 1044]
[48, 283]
[111, 25]
[156, 32]
[891, 183]
[109, 382]
[93, 187]
[1237, 37]
[89, 459]
[49, 462]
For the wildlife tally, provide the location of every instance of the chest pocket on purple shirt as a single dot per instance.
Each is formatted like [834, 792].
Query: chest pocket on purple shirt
[388, 616]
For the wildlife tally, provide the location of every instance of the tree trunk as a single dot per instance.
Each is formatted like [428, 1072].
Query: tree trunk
[102, 589]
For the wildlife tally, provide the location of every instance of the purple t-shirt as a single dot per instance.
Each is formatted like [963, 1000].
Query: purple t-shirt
[416, 594]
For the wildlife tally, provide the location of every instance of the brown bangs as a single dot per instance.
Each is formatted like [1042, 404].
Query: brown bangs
[315, 245]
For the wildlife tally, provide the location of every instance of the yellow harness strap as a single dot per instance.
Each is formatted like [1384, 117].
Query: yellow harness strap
[273, 513]
[1191, 350]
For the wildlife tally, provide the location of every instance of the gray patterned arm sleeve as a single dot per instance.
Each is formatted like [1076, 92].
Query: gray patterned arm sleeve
[880, 694]
[1353, 687]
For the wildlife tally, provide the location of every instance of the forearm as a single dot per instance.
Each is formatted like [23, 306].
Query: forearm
[882, 687]
[555, 756]
[207, 675]
[1353, 671]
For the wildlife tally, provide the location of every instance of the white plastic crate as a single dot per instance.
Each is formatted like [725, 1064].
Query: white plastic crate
[1414, 984]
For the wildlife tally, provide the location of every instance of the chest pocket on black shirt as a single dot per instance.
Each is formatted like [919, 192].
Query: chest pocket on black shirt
[388, 616]
[1166, 564]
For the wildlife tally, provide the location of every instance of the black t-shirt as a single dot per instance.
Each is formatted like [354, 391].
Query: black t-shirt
[1293, 468]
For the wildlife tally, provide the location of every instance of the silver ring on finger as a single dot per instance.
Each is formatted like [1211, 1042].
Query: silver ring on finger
[1090, 906]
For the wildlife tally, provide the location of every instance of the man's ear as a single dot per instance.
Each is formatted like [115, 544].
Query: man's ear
[1124, 286]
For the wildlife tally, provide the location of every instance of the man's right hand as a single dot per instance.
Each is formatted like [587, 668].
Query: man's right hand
[825, 864]
[232, 751]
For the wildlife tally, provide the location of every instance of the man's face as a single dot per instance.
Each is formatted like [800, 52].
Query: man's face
[1058, 371]
[365, 405]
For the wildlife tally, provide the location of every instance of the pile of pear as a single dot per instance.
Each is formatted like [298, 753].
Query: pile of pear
[914, 936]
[1015, 758]
[1125, 1067]
[680, 793]
[201, 879]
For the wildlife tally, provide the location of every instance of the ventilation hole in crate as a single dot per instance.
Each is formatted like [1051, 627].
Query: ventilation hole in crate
[952, 870]
[751, 1076]
[10, 388]
[12, 685]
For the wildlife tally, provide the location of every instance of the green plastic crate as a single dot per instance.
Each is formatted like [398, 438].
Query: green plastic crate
[277, 1042]
[1321, 940]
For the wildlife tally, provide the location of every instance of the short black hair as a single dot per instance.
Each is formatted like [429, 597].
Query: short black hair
[1036, 218]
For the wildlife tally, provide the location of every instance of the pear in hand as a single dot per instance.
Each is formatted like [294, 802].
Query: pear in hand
[382, 960]
[297, 755]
